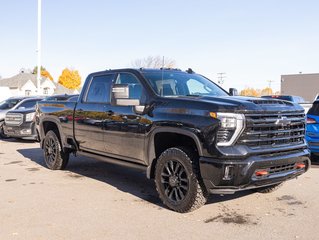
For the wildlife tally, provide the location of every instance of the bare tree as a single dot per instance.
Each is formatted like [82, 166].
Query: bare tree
[154, 62]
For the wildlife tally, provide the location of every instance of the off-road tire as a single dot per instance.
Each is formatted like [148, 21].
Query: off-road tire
[269, 189]
[55, 158]
[196, 194]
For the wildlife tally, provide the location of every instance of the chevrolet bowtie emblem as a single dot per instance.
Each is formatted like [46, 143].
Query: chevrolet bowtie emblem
[283, 121]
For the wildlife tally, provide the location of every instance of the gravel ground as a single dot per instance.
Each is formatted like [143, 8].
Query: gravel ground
[97, 200]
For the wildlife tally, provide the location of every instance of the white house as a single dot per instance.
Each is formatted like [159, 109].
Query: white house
[25, 84]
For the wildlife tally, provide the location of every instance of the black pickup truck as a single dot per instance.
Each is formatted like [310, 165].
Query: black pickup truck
[189, 134]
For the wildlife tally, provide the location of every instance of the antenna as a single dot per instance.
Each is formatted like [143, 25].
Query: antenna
[163, 63]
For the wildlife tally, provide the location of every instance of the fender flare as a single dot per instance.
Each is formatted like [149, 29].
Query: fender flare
[151, 156]
[55, 121]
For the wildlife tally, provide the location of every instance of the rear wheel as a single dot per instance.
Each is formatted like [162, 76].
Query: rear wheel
[269, 189]
[55, 158]
[178, 182]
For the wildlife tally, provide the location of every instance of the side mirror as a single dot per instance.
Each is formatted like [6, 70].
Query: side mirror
[121, 94]
[233, 92]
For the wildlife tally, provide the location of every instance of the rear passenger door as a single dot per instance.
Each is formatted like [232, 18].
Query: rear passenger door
[91, 112]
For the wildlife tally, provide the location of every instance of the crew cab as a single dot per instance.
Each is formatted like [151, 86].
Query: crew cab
[186, 132]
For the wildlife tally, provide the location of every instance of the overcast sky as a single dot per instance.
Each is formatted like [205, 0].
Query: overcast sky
[251, 41]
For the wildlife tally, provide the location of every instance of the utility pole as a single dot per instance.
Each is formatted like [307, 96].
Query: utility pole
[221, 77]
[39, 48]
[269, 86]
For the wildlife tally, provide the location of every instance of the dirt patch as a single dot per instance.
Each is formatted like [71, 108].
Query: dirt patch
[286, 198]
[11, 180]
[231, 217]
[33, 169]
[75, 175]
[13, 162]
[295, 203]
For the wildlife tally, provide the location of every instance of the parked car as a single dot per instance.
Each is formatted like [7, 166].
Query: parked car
[19, 122]
[62, 97]
[186, 132]
[5, 106]
[312, 130]
[295, 99]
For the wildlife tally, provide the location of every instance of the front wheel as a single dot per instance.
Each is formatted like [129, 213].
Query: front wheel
[2, 134]
[55, 158]
[178, 182]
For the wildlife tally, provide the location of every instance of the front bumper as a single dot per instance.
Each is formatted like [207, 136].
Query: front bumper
[229, 176]
[25, 130]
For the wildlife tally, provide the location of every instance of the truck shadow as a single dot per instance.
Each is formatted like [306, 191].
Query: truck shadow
[125, 179]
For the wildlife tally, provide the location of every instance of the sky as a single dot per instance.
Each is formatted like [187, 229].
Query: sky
[253, 42]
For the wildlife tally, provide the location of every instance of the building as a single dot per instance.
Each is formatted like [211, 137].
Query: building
[25, 84]
[304, 85]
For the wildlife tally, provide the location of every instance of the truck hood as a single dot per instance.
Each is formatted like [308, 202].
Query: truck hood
[240, 104]
[23, 111]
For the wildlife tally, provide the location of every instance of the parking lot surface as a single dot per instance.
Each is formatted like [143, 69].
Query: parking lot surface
[97, 200]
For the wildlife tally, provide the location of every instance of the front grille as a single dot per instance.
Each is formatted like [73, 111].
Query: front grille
[13, 119]
[271, 130]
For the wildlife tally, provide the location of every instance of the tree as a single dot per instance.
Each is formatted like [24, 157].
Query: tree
[251, 92]
[44, 72]
[70, 79]
[266, 91]
[154, 62]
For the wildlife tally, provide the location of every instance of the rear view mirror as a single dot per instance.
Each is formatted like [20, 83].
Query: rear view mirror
[233, 92]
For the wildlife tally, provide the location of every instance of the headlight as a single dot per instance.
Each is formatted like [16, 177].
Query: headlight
[231, 126]
[29, 117]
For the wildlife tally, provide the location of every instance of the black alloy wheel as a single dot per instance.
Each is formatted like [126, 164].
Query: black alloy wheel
[55, 158]
[174, 180]
[178, 181]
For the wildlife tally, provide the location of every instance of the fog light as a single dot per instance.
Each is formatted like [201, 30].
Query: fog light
[228, 173]
[300, 165]
[261, 173]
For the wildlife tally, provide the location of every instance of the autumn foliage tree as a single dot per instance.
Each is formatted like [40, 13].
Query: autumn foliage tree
[252, 92]
[70, 79]
[44, 72]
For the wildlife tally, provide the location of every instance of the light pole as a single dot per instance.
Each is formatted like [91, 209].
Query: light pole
[39, 48]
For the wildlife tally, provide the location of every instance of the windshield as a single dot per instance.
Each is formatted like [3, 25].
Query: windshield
[9, 103]
[182, 84]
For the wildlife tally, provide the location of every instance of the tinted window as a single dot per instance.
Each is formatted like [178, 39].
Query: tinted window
[133, 83]
[73, 99]
[28, 104]
[314, 110]
[100, 89]
[166, 83]
[9, 103]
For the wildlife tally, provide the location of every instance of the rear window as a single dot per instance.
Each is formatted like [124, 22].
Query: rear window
[314, 110]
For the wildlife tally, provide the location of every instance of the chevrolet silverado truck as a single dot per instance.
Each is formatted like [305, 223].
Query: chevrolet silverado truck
[188, 134]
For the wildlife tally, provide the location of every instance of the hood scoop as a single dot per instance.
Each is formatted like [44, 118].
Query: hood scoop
[269, 102]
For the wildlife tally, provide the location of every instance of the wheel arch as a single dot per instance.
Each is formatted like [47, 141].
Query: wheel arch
[178, 137]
